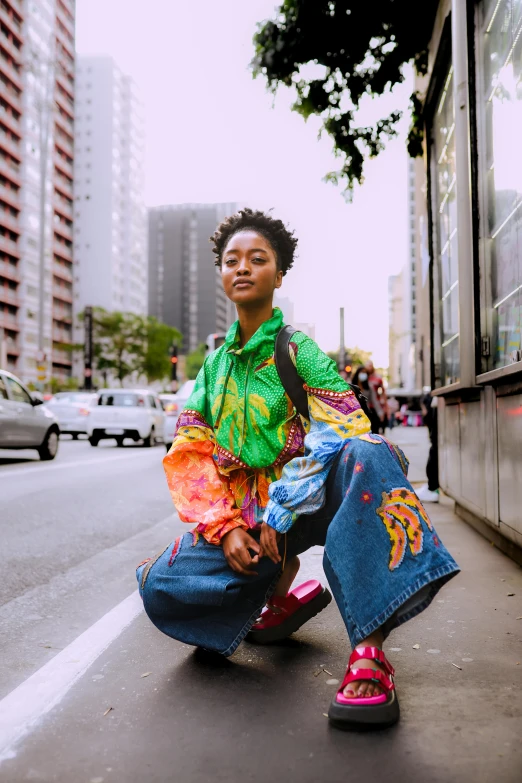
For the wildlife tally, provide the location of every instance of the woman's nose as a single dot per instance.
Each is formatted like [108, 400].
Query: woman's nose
[243, 268]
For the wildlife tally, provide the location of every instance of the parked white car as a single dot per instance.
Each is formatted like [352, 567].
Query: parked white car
[72, 410]
[126, 413]
[173, 404]
[25, 423]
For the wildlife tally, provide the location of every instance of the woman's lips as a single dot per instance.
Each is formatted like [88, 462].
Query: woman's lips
[243, 284]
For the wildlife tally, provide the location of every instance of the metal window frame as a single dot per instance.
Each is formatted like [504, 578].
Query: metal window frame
[486, 373]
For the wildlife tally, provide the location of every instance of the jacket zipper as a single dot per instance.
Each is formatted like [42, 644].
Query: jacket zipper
[245, 398]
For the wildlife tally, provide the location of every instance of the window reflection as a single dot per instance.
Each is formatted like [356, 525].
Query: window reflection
[502, 169]
[445, 225]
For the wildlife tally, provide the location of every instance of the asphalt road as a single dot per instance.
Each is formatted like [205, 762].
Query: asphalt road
[72, 531]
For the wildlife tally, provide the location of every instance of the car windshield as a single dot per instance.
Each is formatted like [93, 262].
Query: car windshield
[122, 399]
[75, 397]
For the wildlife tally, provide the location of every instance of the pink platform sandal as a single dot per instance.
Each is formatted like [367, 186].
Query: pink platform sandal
[374, 712]
[283, 615]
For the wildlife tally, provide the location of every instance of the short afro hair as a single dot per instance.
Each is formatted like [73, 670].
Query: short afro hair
[282, 241]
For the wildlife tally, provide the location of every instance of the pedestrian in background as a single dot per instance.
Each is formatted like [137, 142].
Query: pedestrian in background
[393, 409]
[429, 493]
[372, 387]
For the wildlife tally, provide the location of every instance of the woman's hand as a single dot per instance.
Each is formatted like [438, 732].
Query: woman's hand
[269, 540]
[236, 544]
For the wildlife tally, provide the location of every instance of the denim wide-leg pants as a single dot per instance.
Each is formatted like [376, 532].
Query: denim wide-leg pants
[382, 557]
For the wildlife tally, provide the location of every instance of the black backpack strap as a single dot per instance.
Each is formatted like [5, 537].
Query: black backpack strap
[288, 375]
[293, 383]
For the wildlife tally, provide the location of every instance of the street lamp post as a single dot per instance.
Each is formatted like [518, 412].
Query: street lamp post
[342, 348]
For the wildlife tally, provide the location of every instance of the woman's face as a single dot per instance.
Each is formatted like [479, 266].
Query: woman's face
[249, 269]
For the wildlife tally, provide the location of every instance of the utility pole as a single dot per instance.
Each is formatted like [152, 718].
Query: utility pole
[87, 349]
[342, 348]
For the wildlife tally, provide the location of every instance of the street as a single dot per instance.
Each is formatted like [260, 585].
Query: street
[72, 531]
[93, 692]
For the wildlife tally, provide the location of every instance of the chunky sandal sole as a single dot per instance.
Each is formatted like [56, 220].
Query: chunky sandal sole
[292, 623]
[365, 717]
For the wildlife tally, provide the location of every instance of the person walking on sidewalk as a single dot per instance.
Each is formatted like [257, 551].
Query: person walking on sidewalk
[429, 493]
[262, 483]
[372, 387]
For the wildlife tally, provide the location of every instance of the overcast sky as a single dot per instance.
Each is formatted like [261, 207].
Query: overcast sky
[215, 134]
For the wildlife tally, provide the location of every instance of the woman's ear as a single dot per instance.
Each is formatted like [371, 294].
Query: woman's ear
[279, 279]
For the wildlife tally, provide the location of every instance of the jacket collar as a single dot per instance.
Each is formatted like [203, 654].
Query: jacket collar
[266, 333]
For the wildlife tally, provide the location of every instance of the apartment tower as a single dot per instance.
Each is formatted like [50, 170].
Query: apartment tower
[111, 220]
[36, 187]
[185, 288]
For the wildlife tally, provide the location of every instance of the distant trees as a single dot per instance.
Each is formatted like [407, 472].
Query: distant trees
[127, 343]
[194, 361]
[354, 356]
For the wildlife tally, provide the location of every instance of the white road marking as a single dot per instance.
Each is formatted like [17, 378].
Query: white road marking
[38, 468]
[29, 702]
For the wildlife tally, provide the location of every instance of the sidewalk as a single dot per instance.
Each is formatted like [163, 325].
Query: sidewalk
[260, 715]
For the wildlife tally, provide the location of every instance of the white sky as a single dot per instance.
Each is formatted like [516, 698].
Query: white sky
[214, 134]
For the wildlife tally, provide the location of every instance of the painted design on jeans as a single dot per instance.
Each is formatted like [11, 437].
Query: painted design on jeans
[366, 497]
[150, 563]
[402, 515]
[175, 550]
[359, 467]
[398, 454]
[370, 439]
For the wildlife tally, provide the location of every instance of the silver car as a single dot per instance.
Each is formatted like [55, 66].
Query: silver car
[173, 404]
[72, 409]
[25, 423]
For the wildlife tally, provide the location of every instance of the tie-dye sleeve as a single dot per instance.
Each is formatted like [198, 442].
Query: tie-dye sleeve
[335, 416]
[200, 493]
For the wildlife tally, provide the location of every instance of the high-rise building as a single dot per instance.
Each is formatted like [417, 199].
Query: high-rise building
[36, 186]
[184, 285]
[110, 216]
[11, 48]
[402, 296]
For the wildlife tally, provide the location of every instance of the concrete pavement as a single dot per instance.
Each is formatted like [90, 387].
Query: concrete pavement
[260, 715]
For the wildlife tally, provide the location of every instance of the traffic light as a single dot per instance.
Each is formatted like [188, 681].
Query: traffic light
[348, 368]
[174, 362]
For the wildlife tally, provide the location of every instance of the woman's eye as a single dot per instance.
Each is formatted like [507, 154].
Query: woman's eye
[259, 259]
[230, 261]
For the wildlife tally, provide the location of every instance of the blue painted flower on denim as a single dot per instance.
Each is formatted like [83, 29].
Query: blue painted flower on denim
[334, 418]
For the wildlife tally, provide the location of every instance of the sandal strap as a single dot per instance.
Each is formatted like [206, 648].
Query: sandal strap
[373, 654]
[373, 675]
[283, 604]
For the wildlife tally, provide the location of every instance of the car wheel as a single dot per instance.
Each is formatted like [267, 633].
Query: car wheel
[119, 442]
[168, 446]
[93, 441]
[49, 448]
[150, 440]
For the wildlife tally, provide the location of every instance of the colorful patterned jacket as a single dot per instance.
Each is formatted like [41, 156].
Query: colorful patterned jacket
[242, 454]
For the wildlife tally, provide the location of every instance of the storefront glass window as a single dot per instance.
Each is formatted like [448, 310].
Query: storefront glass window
[502, 171]
[445, 226]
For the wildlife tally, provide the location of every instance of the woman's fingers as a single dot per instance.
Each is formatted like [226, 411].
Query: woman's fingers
[237, 566]
[240, 559]
[269, 543]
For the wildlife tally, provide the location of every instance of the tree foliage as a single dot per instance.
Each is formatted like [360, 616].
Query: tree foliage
[127, 343]
[156, 362]
[358, 49]
[194, 362]
[354, 356]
